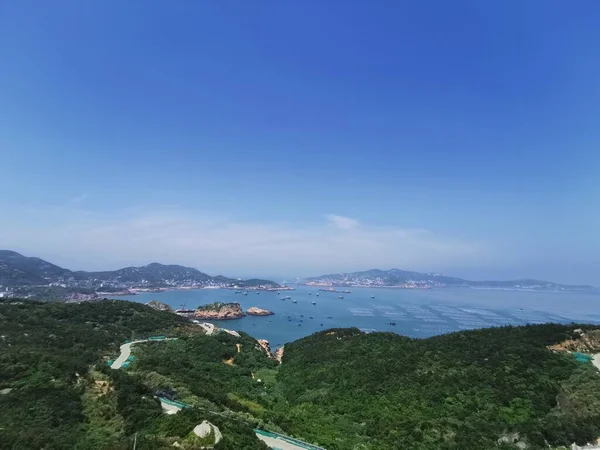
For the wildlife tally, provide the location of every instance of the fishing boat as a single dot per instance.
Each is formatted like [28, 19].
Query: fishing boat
[184, 310]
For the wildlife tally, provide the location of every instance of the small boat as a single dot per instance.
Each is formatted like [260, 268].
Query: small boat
[245, 293]
[294, 301]
[314, 303]
[372, 296]
[288, 297]
[341, 297]
[257, 293]
[238, 292]
[310, 293]
[317, 294]
[311, 317]
[184, 310]
[392, 323]
[346, 292]
[301, 315]
[299, 324]
[329, 317]
[321, 324]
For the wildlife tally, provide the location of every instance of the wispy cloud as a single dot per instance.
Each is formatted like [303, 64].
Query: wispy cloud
[218, 244]
[341, 222]
[78, 199]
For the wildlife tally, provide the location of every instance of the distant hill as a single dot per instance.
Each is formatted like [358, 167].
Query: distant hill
[154, 274]
[16, 269]
[22, 273]
[408, 279]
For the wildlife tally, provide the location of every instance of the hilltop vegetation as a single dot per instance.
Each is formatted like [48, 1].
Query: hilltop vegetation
[341, 388]
[64, 396]
[458, 391]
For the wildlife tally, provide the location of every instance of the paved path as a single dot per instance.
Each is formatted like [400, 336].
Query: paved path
[126, 351]
[274, 441]
[278, 444]
[168, 407]
[278, 441]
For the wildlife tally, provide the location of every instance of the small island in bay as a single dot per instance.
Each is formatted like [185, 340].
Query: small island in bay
[256, 311]
[159, 306]
[219, 311]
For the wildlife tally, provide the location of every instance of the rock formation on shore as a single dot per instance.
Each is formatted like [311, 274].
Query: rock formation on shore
[219, 311]
[160, 306]
[278, 354]
[256, 311]
[264, 345]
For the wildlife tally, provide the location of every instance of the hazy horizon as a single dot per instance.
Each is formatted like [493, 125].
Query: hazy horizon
[291, 278]
[293, 139]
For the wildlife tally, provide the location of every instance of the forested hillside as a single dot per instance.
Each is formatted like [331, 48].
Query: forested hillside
[341, 388]
[64, 396]
[458, 391]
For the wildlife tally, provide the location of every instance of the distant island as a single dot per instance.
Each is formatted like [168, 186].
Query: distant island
[215, 311]
[396, 278]
[30, 277]
[219, 311]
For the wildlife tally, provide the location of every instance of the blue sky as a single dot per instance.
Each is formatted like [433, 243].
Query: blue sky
[296, 138]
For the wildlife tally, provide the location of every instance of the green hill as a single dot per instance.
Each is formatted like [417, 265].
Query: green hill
[340, 388]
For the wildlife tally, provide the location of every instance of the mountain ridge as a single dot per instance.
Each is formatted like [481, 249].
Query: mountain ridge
[412, 279]
[19, 271]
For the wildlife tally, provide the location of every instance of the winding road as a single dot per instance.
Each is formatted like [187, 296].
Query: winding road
[126, 353]
[274, 440]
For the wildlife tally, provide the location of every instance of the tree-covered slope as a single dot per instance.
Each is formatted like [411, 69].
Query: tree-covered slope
[57, 391]
[341, 388]
[348, 389]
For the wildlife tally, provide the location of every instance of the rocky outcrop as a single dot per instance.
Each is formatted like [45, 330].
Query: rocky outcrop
[208, 433]
[582, 341]
[278, 354]
[219, 311]
[160, 306]
[264, 345]
[256, 311]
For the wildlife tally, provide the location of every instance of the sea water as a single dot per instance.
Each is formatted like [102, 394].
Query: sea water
[416, 313]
